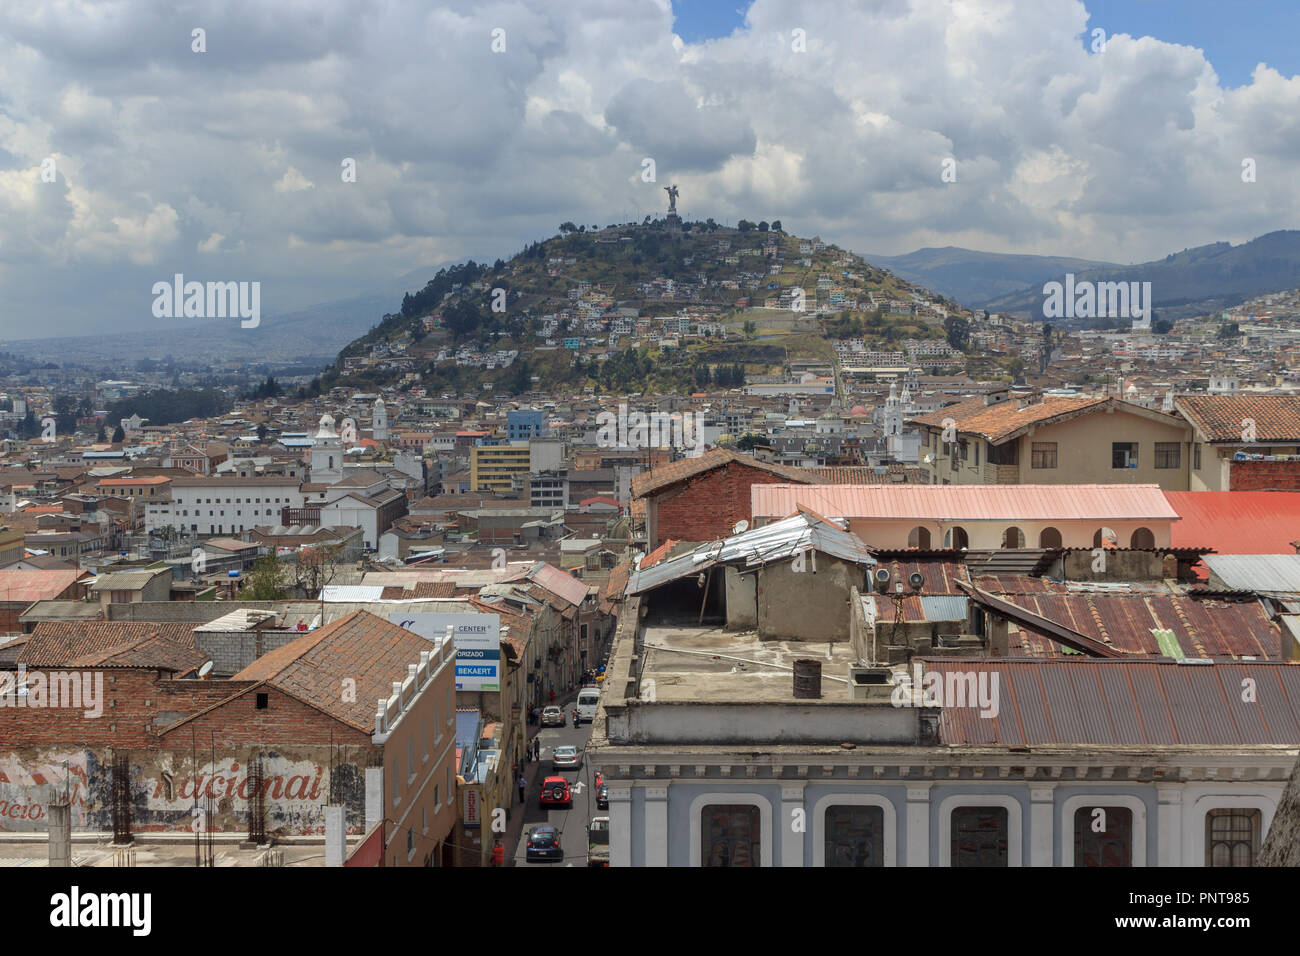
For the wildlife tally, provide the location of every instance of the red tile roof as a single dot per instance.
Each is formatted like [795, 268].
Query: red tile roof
[1222, 417]
[29, 586]
[169, 646]
[365, 648]
[1001, 420]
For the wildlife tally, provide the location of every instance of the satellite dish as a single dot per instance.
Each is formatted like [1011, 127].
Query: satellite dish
[740, 526]
[205, 670]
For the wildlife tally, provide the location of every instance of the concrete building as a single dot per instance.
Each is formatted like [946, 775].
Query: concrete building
[496, 467]
[983, 517]
[999, 439]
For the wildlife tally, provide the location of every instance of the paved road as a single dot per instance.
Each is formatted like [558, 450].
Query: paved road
[572, 822]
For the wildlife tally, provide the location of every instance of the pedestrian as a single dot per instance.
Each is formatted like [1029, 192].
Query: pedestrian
[552, 695]
[523, 788]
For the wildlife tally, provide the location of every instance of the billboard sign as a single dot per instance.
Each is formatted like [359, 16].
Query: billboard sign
[477, 639]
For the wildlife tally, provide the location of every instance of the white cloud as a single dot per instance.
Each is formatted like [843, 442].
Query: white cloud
[166, 156]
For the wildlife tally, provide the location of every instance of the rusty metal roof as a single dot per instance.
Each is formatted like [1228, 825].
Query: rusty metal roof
[1126, 703]
[1125, 622]
[965, 502]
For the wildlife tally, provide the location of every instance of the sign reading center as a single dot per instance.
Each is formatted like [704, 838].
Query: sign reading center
[477, 639]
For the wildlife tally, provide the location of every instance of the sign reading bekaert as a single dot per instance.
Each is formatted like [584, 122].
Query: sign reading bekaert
[477, 639]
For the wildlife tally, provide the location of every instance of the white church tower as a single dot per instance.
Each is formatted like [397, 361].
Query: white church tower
[379, 421]
[326, 453]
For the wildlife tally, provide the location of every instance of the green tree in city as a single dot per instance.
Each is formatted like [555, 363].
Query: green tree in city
[265, 581]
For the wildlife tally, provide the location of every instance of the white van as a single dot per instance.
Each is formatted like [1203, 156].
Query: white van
[588, 698]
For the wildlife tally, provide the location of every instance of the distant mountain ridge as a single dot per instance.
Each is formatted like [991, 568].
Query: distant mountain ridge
[977, 278]
[1196, 281]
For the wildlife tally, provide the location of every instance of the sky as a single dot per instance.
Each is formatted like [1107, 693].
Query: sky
[128, 154]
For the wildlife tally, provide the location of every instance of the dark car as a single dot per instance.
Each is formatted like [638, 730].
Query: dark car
[544, 845]
[602, 797]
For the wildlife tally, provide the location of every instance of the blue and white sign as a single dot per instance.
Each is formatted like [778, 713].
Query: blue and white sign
[477, 639]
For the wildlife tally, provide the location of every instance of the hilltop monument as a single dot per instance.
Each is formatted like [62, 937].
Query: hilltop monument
[673, 220]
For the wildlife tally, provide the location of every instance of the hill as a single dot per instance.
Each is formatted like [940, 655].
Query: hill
[976, 278]
[1196, 281]
[639, 305]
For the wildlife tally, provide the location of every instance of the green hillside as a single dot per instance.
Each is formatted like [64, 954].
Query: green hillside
[638, 306]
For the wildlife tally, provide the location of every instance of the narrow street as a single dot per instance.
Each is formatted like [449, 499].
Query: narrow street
[570, 822]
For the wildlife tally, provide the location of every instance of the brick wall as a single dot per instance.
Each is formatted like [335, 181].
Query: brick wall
[708, 505]
[1264, 476]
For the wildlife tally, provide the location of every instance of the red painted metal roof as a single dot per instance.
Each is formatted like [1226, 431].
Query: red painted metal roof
[966, 502]
[1126, 703]
[1236, 522]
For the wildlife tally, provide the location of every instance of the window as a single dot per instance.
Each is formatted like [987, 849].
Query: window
[979, 836]
[1196, 455]
[1231, 837]
[1143, 538]
[964, 447]
[1043, 454]
[919, 537]
[437, 797]
[395, 777]
[1013, 538]
[410, 842]
[1008, 454]
[956, 538]
[1123, 454]
[1103, 836]
[977, 453]
[730, 835]
[410, 760]
[1168, 454]
[262, 701]
[424, 819]
[855, 836]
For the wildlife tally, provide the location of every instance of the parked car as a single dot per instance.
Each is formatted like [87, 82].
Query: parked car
[598, 842]
[552, 717]
[566, 757]
[602, 797]
[543, 845]
[555, 792]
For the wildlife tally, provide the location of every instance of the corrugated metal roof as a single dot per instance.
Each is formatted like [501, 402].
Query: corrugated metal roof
[1236, 522]
[1257, 572]
[1126, 703]
[778, 541]
[965, 502]
[943, 607]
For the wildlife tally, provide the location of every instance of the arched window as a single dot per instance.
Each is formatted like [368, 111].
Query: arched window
[956, 538]
[1049, 538]
[1105, 538]
[1143, 538]
[1013, 537]
[919, 537]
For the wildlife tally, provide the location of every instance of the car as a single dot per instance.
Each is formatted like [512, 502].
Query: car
[555, 792]
[552, 717]
[602, 797]
[543, 845]
[566, 757]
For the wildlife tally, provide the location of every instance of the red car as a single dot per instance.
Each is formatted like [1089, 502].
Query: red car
[555, 792]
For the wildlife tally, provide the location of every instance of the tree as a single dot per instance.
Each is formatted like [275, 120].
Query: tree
[744, 225]
[265, 581]
[958, 332]
[261, 431]
[748, 441]
[99, 435]
[776, 225]
[763, 226]
[119, 435]
[317, 568]
[567, 227]
[1229, 330]
[750, 329]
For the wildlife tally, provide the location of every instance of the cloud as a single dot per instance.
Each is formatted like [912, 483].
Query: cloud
[166, 157]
